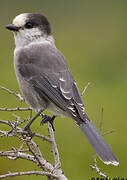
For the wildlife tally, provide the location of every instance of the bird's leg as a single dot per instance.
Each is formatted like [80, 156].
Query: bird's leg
[46, 118]
[27, 127]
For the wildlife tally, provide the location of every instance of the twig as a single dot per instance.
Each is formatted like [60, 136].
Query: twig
[101, 120]
[97, 169]
[108, 132]
[33, 152]
[43, 137]
[19, 130]
[17, 154]
[95, 166]
[15, 109]
[18, 95]
[45, 165]
[38, 156]
[85, 88]
[5, 133]
[14, 174]
[5, 122]
[54, 147]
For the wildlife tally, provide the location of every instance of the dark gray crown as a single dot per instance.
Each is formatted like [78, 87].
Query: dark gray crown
[38, 20]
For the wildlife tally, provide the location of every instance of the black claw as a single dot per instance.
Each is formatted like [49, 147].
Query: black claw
[46, 119]
[51, 122]
[27, 131]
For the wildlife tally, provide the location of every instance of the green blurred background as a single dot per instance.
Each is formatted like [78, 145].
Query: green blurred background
[92, 35]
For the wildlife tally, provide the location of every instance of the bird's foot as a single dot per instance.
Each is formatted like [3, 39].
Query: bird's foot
[46, 118]
[27, 131]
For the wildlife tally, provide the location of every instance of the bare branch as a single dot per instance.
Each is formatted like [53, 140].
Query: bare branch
[43, 163]
[54, 147]
[109, 132]
[4, 133]
[19, 130]
[4, 122]
[38, 156]
[18, 95]
[14, 174]
[15, 109]
[97, 169]
[17, 154]
[44, 138]
[85, 88]
[33, 148]
[101, 120]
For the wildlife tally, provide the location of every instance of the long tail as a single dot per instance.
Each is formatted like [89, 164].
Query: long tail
[100, 146]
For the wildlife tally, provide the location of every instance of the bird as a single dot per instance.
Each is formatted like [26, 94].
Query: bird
[46, 81]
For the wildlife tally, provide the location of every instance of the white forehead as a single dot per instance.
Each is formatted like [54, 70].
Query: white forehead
[20, 19]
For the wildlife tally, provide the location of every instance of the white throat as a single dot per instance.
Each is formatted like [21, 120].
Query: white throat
[26, 37]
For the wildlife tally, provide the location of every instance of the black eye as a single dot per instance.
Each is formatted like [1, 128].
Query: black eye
[28, 25]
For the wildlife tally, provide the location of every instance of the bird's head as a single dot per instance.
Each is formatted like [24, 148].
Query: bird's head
[29, 27]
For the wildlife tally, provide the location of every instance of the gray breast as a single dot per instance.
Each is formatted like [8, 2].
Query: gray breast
[30, 95]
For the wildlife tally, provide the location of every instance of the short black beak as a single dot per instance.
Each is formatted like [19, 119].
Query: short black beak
[11, 27]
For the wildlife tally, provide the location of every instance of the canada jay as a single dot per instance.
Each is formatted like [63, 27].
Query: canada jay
[45, 80]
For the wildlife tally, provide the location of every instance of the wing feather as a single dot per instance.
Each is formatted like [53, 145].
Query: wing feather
[46, 70]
